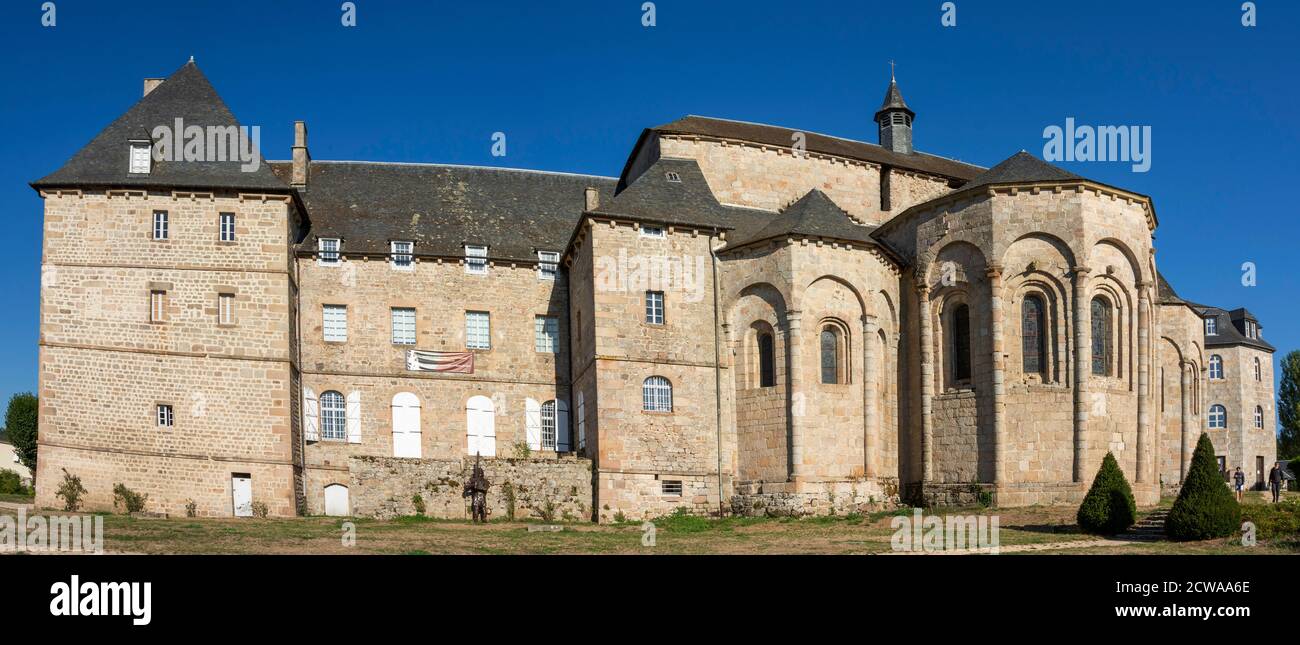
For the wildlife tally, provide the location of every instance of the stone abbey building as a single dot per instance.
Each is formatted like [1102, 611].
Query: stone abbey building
[749, 318]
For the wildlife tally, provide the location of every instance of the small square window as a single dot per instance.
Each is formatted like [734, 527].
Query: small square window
[403, 325]
[476, 259]
[226, 309]
[140, 157]
[328, 250]
[227, 227]
[160, 225]
[165, 417]
[335, 323]
[654, 307]
[547, 265]
[478, 330]
[403, 255]
[652, 231]
[671, 487]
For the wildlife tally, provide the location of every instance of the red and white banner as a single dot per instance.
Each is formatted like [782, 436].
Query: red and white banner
[424, 361]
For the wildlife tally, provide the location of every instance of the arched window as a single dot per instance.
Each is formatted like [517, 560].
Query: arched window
[766, 360]
[1259, 417]
[657, 395]
[1259, 370]
[830, 355]
[333, 416]
[1216, 366]
[1101, 337]
[959, 345]
[548, 425]
[1218, 416]
[1031, 334]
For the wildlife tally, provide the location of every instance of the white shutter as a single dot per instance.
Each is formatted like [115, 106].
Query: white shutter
[310, 415]
[533, 423]
[480, 426]
[354, 417]
[563, 443]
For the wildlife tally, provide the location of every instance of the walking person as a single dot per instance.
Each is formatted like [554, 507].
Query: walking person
[1239, 482]
[1275, 479]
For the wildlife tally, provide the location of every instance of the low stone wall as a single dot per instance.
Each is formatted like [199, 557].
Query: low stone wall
[815, 499]
[554, 489]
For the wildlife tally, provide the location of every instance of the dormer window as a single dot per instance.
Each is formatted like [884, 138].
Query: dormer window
[140, 158]
[673, 177]
[652, 231]
[403, 255]
[476, 259]
[1211, 327]
[327, 251]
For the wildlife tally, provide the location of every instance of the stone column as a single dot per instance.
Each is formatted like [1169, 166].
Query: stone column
[999, 366]
[870, 410]
[1082, 366]
[796, 383]
[927, 382]
[1144, 384]
[1185, 459]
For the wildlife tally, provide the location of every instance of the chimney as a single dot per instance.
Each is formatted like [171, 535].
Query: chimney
[151, 84]
[592, 198]
[301, 158]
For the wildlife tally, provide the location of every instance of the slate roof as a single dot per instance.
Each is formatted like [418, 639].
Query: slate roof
[1226, 325]
[825, 144]
[186, 95]
[893, 101]
[1021, 168]
[442, 207]
[682, 199]
[814, 214]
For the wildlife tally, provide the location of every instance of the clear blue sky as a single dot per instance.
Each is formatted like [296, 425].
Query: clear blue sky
[573, 83]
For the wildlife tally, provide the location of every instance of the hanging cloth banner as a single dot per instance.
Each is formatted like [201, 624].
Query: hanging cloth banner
[422, 361]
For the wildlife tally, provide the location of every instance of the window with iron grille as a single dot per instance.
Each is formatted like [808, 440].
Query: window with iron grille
[157, 306]
[672, 487]
[1101, 337]
[226, 308]
[165, 416]
[1218, 416]
[227, 227]
[333, 416]
[403, 325]
[1031, 335]
[654, 307]
[478, 330]
[402, 254]
[335, 318]
[548, 425]
[160, 225]
[328, 250]
[547, 265]
[476, 259]
[547, 331]
[657, 395]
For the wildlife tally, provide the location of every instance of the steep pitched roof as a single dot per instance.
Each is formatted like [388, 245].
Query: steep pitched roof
[1021, 167]
[1227, 332]
[784, 137]
[893, 100]
[185, 95]
[814, 214]
[674, 191]
[441, 208]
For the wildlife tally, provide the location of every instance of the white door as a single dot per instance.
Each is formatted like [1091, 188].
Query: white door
[480, 426]
[406, 425]
[336, 500]
[241, 491]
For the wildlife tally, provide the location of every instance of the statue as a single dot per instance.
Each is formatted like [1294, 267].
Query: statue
[477, 489]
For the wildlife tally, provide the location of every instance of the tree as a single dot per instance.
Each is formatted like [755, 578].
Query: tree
[1288, 407]
[1108, 507]
[1205, 508]
[20, 427]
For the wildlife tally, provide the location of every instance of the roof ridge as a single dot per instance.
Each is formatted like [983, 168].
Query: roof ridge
[449, 165]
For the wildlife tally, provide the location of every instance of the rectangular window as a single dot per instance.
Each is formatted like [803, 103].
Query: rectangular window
[671, 487]
[165, 417]
[476, 259]
[1211, 327]
[403, 326]
[327, 250]
[335, 323]
[227, 227]
[478, 330]
[157, 306]
[652, 231]
[654, 307]
[546, 332]
[140, 157]
[160, 225]
[547, 265]
[403, 255]
[226, 308]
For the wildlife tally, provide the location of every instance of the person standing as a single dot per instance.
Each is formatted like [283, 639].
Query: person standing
[1275, 479]
[1239, 482]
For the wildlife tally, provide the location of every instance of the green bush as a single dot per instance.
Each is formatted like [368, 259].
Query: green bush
[11, 483]
[1108, 507]
[130, 500]
[1205, 508]
[71, 491]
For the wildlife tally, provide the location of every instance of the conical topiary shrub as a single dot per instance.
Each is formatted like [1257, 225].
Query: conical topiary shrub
[1205, 507]
[1109, 507]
